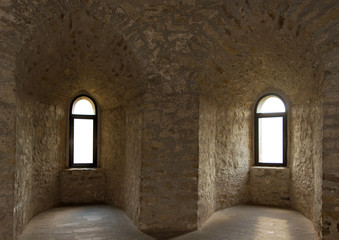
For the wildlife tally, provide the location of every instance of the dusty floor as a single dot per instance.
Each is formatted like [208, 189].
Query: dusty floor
[105, 222]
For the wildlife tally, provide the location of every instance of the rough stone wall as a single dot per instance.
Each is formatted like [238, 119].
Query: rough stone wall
[235, 50]
[270, 186]
[169, 191]
[132, 178]
[113, 154]
[170, 145]
[305, 158]
[324, 31]
[207, 133]
[7, 136]
[82, 186]
[233, 151]
[330, 184]
[72, 54]
[40, 146]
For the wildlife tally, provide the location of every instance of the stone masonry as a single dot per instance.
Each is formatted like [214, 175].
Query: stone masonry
[175, 83]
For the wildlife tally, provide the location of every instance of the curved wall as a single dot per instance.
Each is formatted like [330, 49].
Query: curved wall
[117, 51]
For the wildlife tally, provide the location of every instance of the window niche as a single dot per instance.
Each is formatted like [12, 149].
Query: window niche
[270, 131]
[83, 133]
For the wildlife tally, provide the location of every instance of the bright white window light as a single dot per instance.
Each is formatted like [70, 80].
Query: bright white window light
[271, 104]
[83, 106]
[83, 141]
[270, 114]
[83, 121]
[271, 140]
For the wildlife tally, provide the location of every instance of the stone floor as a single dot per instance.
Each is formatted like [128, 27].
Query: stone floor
[105, 222]
[254, 223]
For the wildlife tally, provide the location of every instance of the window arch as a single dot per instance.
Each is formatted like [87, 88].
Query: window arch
[83, 132]
[270, 131]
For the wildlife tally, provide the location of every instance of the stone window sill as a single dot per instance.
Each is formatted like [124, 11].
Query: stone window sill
[266, 167]
[82, 172]
[82, 169]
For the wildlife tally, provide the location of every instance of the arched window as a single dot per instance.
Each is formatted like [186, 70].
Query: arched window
[83, 133]
[270, 131]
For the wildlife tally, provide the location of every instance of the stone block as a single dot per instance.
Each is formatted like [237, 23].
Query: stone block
[82, 186]
[270, 186]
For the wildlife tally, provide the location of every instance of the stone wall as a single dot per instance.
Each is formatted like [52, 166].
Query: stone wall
[132, 178]
[121, 132]
[207, 133]
[79, 186]
[330, 184]
[40, 147]
[7, 138]
[113, 154]
[117, 50]
[233, 155]
[305, 159]
[270, 186]
[169, 191]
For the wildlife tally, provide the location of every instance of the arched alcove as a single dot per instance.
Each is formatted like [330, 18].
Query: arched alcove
[69, 55]
[258, 51]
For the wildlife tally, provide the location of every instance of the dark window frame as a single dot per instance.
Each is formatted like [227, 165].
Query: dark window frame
[71, 134]
[257, 116]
